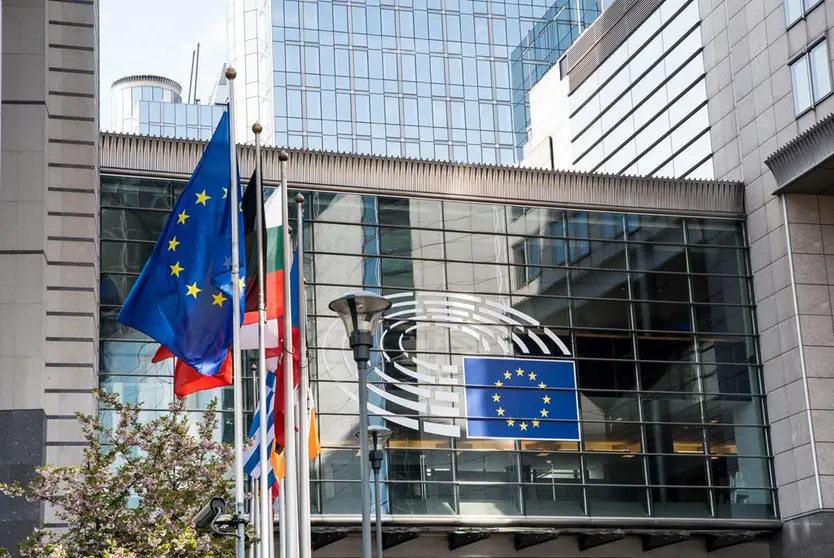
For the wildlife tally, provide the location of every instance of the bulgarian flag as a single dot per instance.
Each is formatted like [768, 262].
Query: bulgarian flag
[273, 291]
[273, 275]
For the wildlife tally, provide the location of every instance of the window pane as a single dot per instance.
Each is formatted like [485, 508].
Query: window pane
[820, 71]
[801, 85]
[793, 10]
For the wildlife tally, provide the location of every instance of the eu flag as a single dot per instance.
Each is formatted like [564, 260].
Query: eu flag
[182, 298]
[522, 399]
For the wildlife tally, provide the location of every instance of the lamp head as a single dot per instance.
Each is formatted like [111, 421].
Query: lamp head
[378, 436]
[360, 311]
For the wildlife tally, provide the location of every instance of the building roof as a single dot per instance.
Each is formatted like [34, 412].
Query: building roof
[148, 79]
[176, 158]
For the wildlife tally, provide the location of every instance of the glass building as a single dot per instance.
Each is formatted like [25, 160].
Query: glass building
[152, 105]
[654, 309]
[428, 79]
[639, 108]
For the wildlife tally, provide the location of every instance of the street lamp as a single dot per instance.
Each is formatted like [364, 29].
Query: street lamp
[360, 311]
[379, 437]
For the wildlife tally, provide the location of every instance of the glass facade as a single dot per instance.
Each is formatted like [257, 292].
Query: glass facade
[656, 312]
[644, 110]
[179, 120]
[159, 111]
[434, 79]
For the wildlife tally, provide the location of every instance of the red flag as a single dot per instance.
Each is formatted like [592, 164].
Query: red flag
[279, 382]
[187, 380]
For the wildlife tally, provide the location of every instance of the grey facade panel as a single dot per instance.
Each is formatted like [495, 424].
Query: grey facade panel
[394, 176]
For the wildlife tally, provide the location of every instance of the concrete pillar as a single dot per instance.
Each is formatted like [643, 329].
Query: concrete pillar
[48, 241]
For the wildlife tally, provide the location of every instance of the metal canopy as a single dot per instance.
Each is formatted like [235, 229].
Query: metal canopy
[458, 539]
[526, 537]
[663, 538]
[321, 538]
[532, 538]
[393, 537]
[805, 165]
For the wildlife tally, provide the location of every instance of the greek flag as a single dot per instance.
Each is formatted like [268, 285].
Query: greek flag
[251, 456]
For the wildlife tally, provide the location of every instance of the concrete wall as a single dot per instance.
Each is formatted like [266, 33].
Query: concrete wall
[747, 47]
[48, 240]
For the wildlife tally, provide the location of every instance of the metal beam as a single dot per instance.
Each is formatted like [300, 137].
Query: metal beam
[663, 538]
[394, 537]
[593, 540]
[320, 539]
[532, 538]
[458, 539]
[730, 538]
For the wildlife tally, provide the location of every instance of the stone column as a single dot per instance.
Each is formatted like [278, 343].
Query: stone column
[48, 242]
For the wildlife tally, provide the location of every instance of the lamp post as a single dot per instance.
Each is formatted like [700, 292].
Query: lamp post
[379, 438]
[360, 311]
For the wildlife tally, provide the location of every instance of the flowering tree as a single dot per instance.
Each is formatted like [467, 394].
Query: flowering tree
[137, 489]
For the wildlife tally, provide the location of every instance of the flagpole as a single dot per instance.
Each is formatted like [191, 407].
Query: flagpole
[291, 480]
[240, 547]
[262, 449]
[304, 540]
[254, 550]
[282, 515]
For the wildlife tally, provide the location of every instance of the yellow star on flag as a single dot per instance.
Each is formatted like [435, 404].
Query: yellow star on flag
[242, 283]
[499, 383]
[193, 290]
[546, 399]
[532, 375]
[175, 269]
[182, 217]
[542, 385]
[535, 423]
[202, 198]
[519, 372]
[218, 300]
[523, 426]
[544, 412]
[510, 422]
[496, 398]
[225, 193]
[507, 375]
[172, 244]
[500, 411]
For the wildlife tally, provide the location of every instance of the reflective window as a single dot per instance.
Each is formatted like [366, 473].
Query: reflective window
[811, 77]
[655, 312]
[431, 50]
[795, 9]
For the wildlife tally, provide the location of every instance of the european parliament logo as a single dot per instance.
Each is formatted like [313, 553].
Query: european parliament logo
[521, 399]
[423, 391]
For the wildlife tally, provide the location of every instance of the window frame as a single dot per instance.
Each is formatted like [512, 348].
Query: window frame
[804, 6]
[805, 56]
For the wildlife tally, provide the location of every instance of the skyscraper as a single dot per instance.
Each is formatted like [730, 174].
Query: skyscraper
[435, 79]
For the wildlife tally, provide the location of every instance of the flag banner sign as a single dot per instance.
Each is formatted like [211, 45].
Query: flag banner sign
[521, 399]
[182, 297]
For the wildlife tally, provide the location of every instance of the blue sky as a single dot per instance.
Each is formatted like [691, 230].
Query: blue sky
[157, 37]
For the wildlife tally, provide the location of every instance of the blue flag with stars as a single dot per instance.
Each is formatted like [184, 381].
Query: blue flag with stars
[521, 399]
[182, 298]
